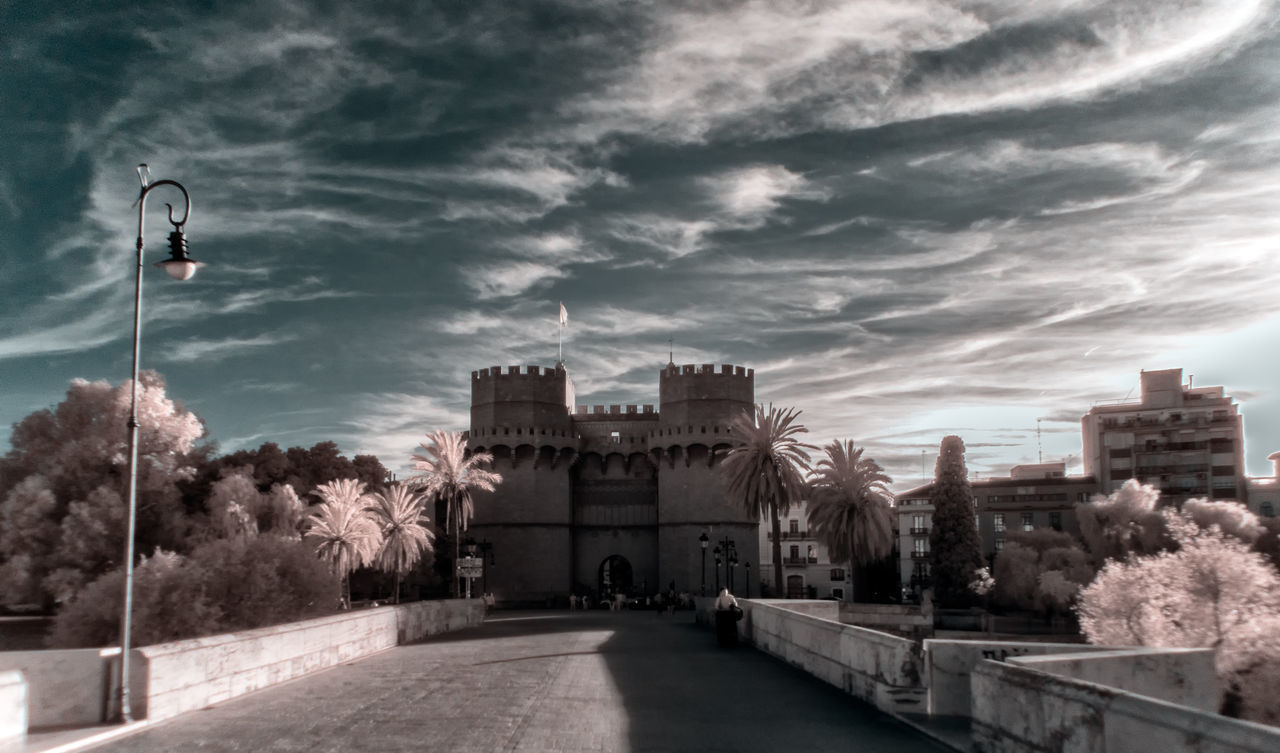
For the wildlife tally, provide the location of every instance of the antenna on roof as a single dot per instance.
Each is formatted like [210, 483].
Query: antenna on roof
[1039, 449]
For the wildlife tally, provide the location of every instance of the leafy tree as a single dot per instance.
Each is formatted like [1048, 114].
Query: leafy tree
[1211, 591]
[400, 514]
[449, 474]
[303, 469]
[1040, 570]
[763, 472]
[849, 506]
[1127, 521]
[72, 460]
[233, 505]
[955, 552]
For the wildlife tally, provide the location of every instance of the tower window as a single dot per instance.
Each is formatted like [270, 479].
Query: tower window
[615, 437]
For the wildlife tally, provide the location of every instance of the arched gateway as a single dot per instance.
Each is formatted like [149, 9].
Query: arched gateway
[615, 576]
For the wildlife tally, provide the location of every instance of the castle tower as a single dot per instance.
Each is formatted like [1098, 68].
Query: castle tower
[607, 499]
[523, 419]
[697, 403]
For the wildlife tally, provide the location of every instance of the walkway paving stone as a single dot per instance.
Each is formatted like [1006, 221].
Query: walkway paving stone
[539, 682]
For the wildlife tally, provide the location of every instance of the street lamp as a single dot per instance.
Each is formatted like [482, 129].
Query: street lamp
[716, 552]
[703, 541]
[180, 266]
[748, 580]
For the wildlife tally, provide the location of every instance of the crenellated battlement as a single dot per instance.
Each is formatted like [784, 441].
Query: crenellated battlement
[617, 412]
[691, 369]
[514, 372]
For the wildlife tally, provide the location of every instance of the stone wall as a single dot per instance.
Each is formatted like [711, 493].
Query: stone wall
[1018, 708]
[188, 675]
[883, 670]
[949, 665]
[13, 709]
[69, 686]
[905, 619]
[1185, 676]
[76, 686]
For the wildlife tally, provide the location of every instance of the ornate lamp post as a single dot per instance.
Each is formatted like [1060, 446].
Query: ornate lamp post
[180, 266]
[703, 541]
[716, 552]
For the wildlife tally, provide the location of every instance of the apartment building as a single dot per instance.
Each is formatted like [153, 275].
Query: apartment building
[1039, 495]
[807, 569]
[1186, 441]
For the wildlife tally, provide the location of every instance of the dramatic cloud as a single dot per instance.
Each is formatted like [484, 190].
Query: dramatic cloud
[911, 218]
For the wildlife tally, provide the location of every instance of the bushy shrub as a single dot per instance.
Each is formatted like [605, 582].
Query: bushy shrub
[166, 607]
[263, 580]
[223, 586]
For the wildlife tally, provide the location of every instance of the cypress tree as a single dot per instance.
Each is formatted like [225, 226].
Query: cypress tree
[953, 540]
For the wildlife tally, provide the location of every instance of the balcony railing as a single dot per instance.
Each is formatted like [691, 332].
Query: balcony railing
[919, 555]
[799, 561]
[919, 530]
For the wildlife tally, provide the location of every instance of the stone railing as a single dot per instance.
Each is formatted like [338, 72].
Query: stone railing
[1082, 703]
[13, 709]
[881, 669]
[74, 687]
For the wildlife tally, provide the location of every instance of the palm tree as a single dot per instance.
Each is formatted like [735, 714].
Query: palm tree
[449, 474]
[399, 514]
[849, 505]
[764, 470]
[342, 530]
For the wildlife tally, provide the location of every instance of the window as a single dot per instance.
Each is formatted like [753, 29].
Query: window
[837, 593]
[918, 547]
[837, 574]
[997, 522]
[813, 554]
[1028, 522]
[795, 552]
[1055, 521]
[793, 526]
[999, 543]
[1267, 510]
[918, 525]
[615, 437]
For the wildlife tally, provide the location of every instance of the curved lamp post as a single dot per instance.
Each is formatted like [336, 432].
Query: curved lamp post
[180, 266]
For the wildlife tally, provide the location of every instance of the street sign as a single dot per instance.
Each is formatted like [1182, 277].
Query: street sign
[470, 567]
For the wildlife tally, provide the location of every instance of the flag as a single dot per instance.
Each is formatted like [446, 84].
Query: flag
[564, 316]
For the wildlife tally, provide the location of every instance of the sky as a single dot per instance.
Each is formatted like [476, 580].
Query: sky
[912, 218]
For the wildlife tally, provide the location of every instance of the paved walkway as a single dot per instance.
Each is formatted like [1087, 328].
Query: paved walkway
[546, 681]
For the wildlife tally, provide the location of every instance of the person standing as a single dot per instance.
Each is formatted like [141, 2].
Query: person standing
[727, 611]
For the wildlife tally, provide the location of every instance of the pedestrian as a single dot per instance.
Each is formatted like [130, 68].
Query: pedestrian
[727, 611]
[573, 602]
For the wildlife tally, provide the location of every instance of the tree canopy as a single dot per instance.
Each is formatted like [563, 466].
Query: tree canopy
[955, 552]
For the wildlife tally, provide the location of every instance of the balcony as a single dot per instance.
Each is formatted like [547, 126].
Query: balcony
[919, 531]
[793, 535]
[919, 555]
[799, 561]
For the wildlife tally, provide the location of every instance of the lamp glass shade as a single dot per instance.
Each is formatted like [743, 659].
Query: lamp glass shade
[179, 269]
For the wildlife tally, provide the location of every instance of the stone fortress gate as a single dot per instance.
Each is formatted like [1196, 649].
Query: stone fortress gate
[606, 500]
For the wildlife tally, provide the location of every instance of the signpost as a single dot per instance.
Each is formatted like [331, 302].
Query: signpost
[470, 568]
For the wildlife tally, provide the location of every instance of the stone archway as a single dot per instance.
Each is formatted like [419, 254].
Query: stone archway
[615, 576]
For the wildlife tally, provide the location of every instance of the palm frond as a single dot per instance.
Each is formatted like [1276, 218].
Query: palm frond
[849, 506]
[400, 514]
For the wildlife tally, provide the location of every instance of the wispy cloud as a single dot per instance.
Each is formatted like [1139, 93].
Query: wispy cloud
[227, 347]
